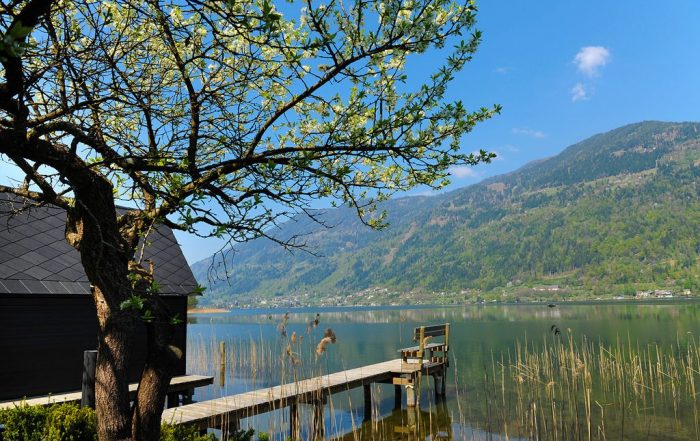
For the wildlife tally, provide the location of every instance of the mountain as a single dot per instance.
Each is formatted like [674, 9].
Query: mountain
[616, 213]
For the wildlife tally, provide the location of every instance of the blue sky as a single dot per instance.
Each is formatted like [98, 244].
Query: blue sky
[636, 61]
[564, 71]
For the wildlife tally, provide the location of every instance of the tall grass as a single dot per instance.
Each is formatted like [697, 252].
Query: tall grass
[580, 390]
[560, 388]
[252, 363]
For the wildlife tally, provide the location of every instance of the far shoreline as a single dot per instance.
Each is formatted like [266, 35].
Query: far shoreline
[327, 308]
[207, 311]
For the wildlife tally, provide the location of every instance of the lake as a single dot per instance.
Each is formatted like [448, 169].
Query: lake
[632, 370]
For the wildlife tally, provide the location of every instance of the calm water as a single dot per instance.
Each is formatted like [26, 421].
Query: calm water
[482, 339]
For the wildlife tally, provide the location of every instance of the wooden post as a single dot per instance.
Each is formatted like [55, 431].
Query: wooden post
[413, 391]
[173, 399]
[410, 395]
[411, 420]
[318, 424]
[397, 397]
[443, 383]
[88, 386]
[222, 364]
[294, 432]
[368, 402]
[439, 380]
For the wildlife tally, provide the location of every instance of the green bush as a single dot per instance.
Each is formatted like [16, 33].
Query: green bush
[60, 422]
[24, 423]
[242, 435]
[183, 433]
[70, 422]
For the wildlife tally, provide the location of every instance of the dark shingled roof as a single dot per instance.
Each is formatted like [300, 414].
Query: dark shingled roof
[36, 259]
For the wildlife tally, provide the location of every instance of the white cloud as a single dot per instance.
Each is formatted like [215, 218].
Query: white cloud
[529, 132]
[591, 58]
[463, 171]
[579, 93]
[502, 70]
[499, 155]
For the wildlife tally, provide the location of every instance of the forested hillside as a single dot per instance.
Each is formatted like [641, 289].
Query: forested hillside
[614, 214]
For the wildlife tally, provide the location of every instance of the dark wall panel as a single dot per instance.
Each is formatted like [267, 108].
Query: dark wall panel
[42, 339]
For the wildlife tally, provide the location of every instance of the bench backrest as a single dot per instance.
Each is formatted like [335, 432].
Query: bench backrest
[420, 333]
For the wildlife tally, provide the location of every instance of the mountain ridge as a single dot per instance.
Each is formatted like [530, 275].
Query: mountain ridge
[432, 240]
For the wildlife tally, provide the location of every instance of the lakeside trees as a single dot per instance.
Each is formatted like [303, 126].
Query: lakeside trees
[221, 119]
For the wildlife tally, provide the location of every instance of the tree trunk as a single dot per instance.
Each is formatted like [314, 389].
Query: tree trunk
[92, 229]
[111, 381]
[106, 250]
[153, 386]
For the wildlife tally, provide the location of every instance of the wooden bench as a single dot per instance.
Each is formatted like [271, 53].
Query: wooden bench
[435, 365]
[422, 335]
[182, 386]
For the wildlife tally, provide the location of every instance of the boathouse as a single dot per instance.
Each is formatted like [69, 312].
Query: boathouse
[47, 316]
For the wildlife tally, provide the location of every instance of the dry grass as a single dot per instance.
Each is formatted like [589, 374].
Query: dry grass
[567, 390]
[559, 389]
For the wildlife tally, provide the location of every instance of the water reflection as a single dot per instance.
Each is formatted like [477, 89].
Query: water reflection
[484, 341]
[620, 311]
[407, 424]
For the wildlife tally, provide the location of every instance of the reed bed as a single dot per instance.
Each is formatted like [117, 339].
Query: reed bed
[559, 388]
[244, 364]
[564, 389]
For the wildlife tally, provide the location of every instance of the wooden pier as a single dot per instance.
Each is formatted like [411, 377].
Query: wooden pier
[404, 373]
[225, 413]
[181, 387]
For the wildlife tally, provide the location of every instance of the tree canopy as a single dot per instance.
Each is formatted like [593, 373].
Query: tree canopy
[220, 118]
[229, 114]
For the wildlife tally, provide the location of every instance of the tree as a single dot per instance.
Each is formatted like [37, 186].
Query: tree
[219, 118]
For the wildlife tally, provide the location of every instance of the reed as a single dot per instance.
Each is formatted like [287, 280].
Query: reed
[581, 390]
[255, 362]
[560, 388]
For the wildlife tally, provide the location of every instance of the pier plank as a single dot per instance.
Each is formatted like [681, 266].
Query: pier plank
[181, 383]
[210, 413]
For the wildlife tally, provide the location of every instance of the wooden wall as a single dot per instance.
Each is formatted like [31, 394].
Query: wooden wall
[42, 339]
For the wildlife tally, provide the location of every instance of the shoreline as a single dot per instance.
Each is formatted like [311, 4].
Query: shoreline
[313, 308]
[207, 311]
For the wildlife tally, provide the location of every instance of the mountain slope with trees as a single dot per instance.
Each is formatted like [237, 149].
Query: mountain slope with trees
[614, 214]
